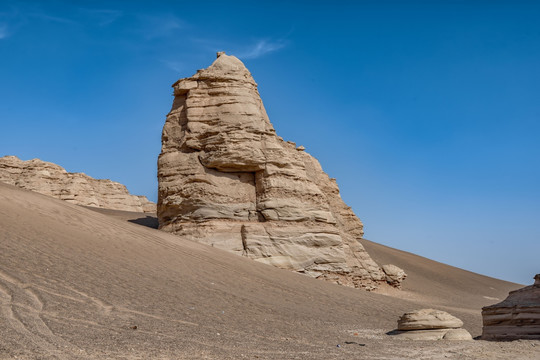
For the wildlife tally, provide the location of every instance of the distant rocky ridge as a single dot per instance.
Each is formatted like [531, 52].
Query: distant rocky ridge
[226, 179]
[77, 188]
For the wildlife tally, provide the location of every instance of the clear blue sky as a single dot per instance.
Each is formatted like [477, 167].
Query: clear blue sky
[426, 112]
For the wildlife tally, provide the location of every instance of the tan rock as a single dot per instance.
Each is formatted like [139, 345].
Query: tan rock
[517, 317]
[394, 275]
[77, 188]
[426, 319]
[430, 324]
[457, 334]
[428, 335]
[435, 334]
[226, 179]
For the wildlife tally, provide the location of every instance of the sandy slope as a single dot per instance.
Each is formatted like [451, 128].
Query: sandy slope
[75, 282]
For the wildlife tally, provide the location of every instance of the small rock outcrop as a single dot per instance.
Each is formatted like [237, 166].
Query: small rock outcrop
[426, 319]
[394, 275]
[517, 317]
[431, 324]
[226, 179]
[77, 188]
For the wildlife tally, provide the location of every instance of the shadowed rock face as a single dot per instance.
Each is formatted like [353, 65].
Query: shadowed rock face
[77, 188]
[226, 179]
[517, 317]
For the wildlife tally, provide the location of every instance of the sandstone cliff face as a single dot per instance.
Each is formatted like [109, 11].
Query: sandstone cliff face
[517, 317]
[226, 179]
[77, 188]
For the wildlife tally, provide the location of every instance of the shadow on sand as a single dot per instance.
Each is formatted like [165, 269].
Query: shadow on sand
[149, 221]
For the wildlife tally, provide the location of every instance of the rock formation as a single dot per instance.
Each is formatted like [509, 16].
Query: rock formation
[77, 188]
[428, 319]
[517, 317]
[226, 179]
[394, 275]
[430, 324]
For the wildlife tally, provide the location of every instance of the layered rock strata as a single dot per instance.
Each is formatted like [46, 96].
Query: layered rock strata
[517, 317]
[77, 188]
[431, 324]
[394, 275]
[226, 179]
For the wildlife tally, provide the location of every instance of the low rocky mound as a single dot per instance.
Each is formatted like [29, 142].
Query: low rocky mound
[226, 179]
[517, 317]
[431, 324]
[77, 188]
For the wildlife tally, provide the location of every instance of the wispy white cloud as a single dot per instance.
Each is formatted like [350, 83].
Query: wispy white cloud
[255, 50]
[159, 26]
[261, 48]
[4, 33]
[10, 21]
[173, 65]
[51, 18]
[19, 15]
[102, 17]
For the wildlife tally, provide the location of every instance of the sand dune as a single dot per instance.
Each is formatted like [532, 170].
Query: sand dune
[77, 283]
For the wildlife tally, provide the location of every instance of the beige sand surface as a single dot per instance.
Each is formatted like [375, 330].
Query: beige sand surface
[74, 284]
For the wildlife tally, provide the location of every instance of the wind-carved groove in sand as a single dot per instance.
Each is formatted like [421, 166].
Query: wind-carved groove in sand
[104, 307]
[22, 308]
[125, 310]
[108, 308]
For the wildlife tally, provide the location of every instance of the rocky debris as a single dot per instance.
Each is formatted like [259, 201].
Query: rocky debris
[77, 188]
[226, 179]
[394, 275]
[517, 317]
[431, 324]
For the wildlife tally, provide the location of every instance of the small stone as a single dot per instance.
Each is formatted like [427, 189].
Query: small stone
[457, 334]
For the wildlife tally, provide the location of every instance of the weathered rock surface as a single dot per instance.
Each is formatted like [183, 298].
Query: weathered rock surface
[435, 334]
[77, 188]
[431, 324]
[226, 179]
[517, 317]
[426, 319]
[394, 275]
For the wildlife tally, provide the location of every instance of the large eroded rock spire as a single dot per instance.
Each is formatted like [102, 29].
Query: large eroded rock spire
[226, 179]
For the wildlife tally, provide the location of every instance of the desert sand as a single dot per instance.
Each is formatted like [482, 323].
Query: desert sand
[77, 283]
